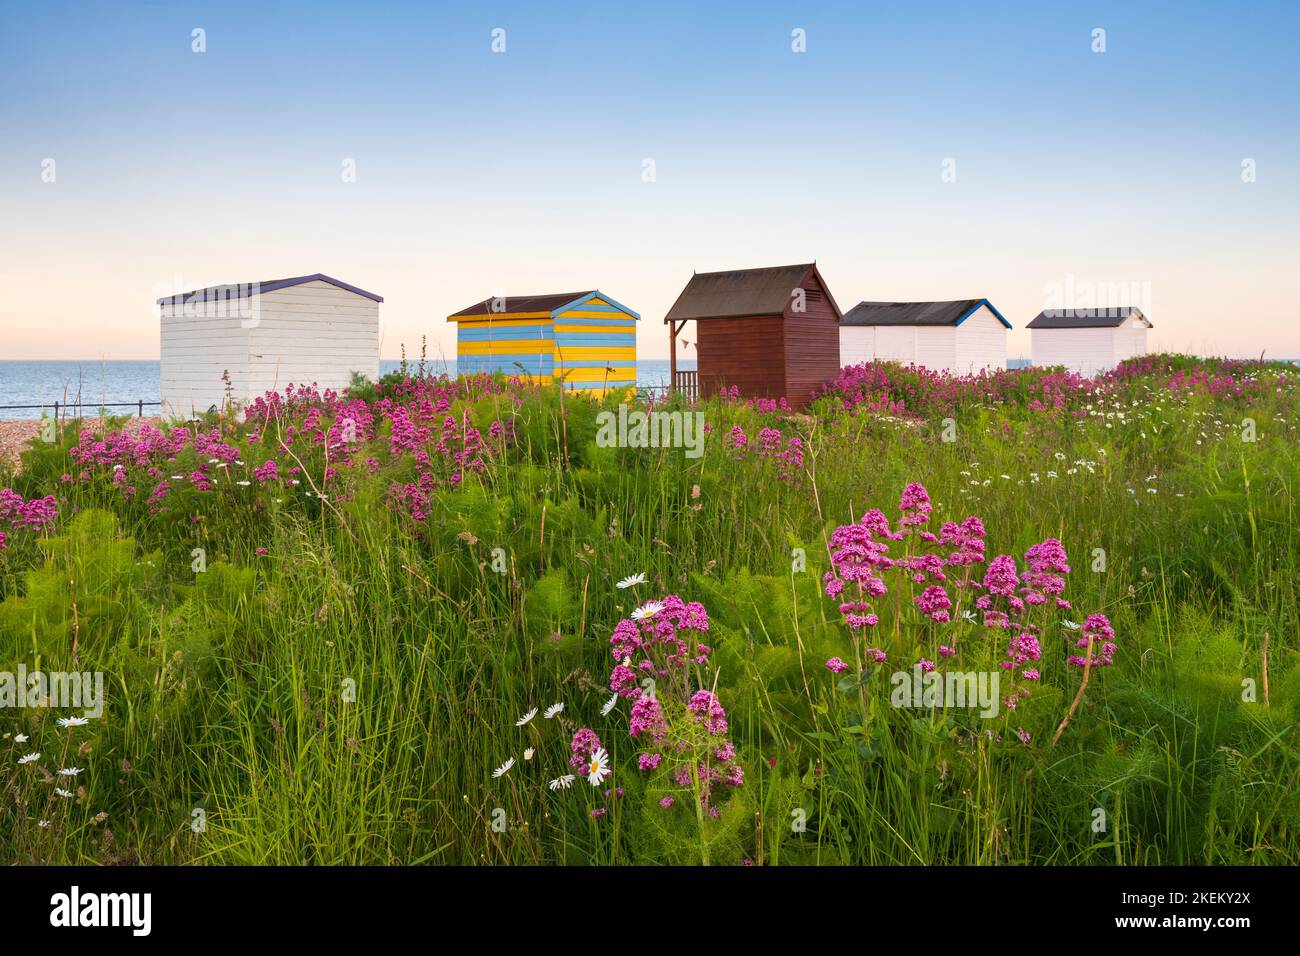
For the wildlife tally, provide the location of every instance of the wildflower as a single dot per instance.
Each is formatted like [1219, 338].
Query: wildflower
[528, 754]
[500, 771]
[835, 665]
[20, 738]
[632, 581]
[599, 812]
[65, 794]
[609, 705]
[73, 721]
[666, 802]
[43, 824]
[551, 711]
[28, 758]
[562, 783]
[598, 767]
[527, 717]
[70, 771]
[648, 610]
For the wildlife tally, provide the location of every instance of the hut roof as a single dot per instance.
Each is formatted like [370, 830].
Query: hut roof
[954, 312]
[552, 303]
[743, 292]
[239, 290]
[1109, 318]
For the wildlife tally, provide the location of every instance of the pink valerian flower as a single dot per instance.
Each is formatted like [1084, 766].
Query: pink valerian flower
[1096, 627]
[1047, 566]
[934, 602]
[877, 655]
[647, 717]
[1001, 577]
[915, 505]
[660, 645]
[925, 665]
[648, 762]
[34, 513]
[835, 665]
[737, 438]
[269, 471]
[584, 744]
[708, 711]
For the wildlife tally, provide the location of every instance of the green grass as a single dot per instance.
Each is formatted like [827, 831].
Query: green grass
[345, 698]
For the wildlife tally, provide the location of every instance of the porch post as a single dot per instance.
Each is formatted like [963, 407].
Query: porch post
[672, 356]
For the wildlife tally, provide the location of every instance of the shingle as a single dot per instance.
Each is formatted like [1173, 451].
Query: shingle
[739, 292]
[1110, 318]
[524, 303]
[910, 313]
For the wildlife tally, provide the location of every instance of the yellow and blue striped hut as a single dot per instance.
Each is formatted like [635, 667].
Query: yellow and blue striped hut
[584, 339]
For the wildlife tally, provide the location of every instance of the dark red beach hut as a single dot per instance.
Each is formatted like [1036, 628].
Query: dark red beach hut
[770, 332]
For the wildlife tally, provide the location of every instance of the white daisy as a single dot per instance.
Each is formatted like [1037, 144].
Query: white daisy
[563, 783]
[551, 711]
[244, 483]
[1070, 625]
[63, 793]
[73, 721]
[70, 771]
[502, 770]
[598, 767]
[632, 580]
[528, 754]
[20, 738]
[526, 717]
[609, 705]
[647, 610]
[28, 758]
[44, 824]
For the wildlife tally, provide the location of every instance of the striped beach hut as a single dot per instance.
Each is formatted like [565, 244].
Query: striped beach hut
[584, 339]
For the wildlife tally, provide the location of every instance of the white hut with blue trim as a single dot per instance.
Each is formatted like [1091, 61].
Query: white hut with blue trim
[308, 330]
[960, 337]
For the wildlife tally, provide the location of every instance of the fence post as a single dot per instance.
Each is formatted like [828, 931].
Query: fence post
[141, 415]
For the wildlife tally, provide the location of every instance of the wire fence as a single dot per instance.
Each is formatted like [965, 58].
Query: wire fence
[65, 409]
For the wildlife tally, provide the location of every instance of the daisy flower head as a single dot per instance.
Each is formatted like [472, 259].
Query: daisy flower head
[1070, 625]
[632, 580]
[28, 758]
[553, 710]
[526, 717]
[609, 705]
[528, 754]
[20, 738]
[598, 767]
[500, 771]
[562, 783]
[73, 721]
[647, 611]
[63, 793]
[70, 771]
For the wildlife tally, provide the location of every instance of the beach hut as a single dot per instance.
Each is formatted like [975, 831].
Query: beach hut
[1088, 341]
[960, 337]
[265, 335]
[584, 339]
[769, 333]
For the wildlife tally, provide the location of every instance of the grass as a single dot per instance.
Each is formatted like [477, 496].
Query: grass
[345, 697]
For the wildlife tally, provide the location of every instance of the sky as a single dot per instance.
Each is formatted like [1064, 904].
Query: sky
[914, 151]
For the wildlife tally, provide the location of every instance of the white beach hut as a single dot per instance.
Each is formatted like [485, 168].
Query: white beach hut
[959, 337]
[266, 335]
[1088, 341]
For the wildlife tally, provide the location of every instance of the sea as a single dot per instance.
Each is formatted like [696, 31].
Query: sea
[121, 384]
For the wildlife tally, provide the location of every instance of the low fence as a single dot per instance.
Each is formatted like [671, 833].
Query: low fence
[64, 409]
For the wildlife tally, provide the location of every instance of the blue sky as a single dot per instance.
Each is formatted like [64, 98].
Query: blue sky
[521, 172]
